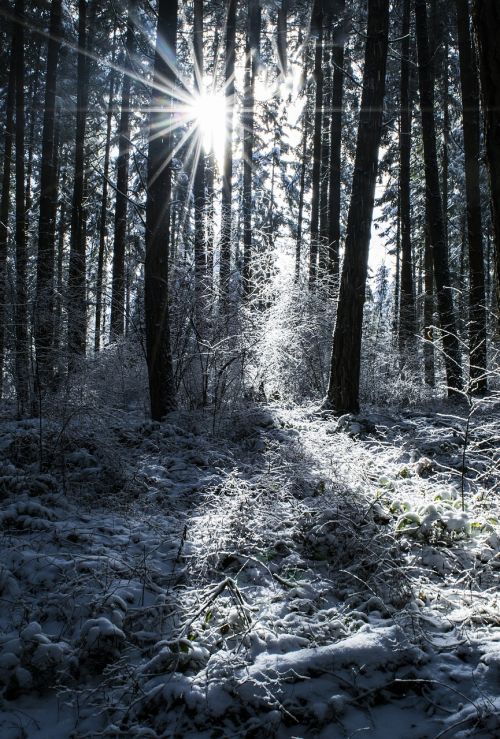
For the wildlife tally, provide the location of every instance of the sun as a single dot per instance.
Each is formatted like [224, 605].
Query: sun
[208, 110]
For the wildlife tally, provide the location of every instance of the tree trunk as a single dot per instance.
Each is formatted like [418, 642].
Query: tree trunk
[200, 260]
[470, 107]
[159, 356]
[227, 170]
[300, 218]
[435, 206]
[343, 390]
[251, 67]
[103, 229]
[122, 170]
[318, 119]
[486, 19]
[76, 296]
[33, 108]
[428, 310]
[407, 317]
[5, 201]
[336, 148]
[21, 311]
[44, 318]
[210, 178]
[282, 38]
[324, 229]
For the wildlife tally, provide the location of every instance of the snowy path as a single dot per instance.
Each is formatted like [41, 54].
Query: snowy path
[291, 581]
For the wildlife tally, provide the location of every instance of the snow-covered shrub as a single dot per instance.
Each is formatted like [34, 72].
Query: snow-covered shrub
[32, 660]
[291, 356]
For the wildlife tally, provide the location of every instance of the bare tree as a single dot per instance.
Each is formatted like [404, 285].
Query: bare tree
[470, 116]
[227, 169]
[44, 304]
[159, 188]
[343, 389]
[486, 18]
[434, 205]
[21, 311]
[122, 170]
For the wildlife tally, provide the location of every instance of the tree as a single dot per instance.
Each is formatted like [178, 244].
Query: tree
[103, 216]
[251, 68]
[343, 388]
[434, 205]
[407, 318]
[338, 42]
[77, 311]
[159, 188]
[200, 264]
[486, 18]
[122, 168]
[227, 168]
[317, 31]
[471, 129]
[44, 319]
[5, 200]
[21, 311]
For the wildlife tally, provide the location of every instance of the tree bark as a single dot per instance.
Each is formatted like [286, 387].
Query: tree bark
[158, 352]
[200, 259]
[343, 390]
[317, 131]
[76, 294]
[407, 316]
[44, 318]
[435, 206]
[103, 229]
[486, 19]
[324, 230]
[251, 67]
[5, 200]
[21, 310]
[300, 218]
[122, 171]
[336, 148]
[227, 170]
[470, 116]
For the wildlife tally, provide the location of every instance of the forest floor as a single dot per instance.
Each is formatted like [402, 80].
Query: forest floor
[293, 576]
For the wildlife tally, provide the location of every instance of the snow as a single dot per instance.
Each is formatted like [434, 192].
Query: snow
[293, 576]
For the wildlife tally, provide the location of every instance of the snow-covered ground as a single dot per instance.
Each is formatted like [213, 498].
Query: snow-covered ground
[295, 577]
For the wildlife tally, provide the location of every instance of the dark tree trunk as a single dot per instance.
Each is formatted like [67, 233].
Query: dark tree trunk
[282, 38]
[210, 179]
[61, 234]
[336, 147]
[300, 218]
[200, 260]
[428, 311]
[407, 317]
[122, 170]
[33, 108]
[21, 311]
[76, 294]
[325, 161]
[103, 217]
[227, 169]
[5, 201]
[343, 390]
[470, 107]
[159, 355]
[435, 205]
[486, 18]
[318, 123]
[44, 304]
[251, 67]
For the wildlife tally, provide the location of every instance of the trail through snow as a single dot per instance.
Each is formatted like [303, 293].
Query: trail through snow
[298, 577]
